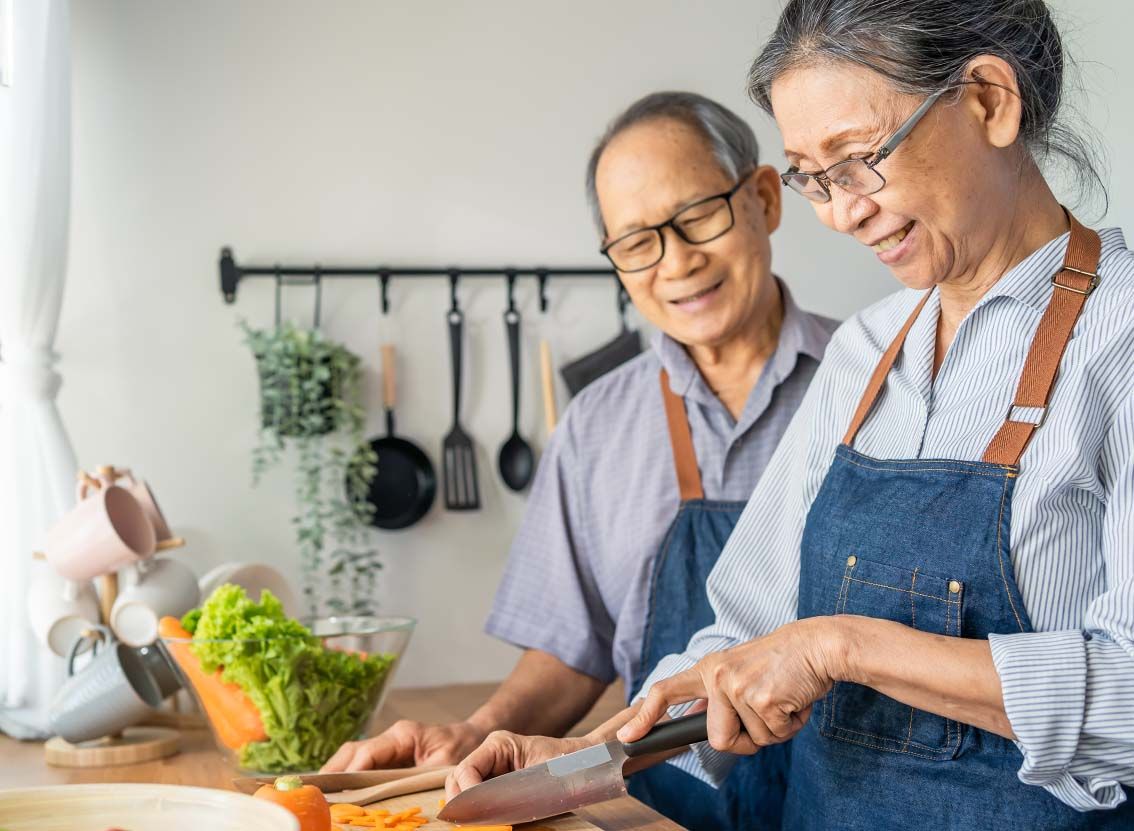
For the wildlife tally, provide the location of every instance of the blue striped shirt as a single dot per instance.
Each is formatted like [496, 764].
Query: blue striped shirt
[1068, 686]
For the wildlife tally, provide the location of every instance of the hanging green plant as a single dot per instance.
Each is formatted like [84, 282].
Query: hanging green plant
[311, 401]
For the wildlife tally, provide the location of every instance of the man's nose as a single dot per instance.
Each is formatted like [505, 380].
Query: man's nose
[680, 259]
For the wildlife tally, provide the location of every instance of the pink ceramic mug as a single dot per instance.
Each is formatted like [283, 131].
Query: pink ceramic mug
[110, 475]
[105, 531]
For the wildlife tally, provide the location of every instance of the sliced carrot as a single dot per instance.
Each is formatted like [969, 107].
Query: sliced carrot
[231, 712]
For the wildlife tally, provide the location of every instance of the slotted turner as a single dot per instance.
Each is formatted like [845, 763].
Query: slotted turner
[461, 492]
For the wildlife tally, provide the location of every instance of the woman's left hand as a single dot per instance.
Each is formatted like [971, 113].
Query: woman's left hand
[759, 693]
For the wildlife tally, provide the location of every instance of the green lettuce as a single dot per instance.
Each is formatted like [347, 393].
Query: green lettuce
[311, 699]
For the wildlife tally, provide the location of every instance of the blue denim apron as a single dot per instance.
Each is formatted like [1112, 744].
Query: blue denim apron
[924, 542]
[752, 797]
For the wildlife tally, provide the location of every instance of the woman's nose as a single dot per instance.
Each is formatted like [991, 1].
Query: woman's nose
[847, 211]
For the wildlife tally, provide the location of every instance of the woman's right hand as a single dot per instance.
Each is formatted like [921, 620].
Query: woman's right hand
[408, 743]
[503, 752]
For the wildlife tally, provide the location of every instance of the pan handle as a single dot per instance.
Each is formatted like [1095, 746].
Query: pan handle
[389, 384]
[389, 376]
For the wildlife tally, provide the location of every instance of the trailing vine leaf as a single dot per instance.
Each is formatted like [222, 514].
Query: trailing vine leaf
[311, 401]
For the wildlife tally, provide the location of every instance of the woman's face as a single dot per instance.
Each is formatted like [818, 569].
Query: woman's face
[700, 295]
[949, 185]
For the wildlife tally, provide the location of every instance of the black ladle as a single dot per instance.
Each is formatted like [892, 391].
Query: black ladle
[516, 460]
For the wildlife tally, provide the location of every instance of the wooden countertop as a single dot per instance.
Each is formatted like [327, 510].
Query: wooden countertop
[199, 763]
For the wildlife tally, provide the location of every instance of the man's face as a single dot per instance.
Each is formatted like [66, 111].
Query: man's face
[700, 295]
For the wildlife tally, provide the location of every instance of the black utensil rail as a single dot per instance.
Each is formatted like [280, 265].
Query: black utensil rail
[231, 274]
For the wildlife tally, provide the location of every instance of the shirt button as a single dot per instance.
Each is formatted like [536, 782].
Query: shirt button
[954, 587]
[851, 560]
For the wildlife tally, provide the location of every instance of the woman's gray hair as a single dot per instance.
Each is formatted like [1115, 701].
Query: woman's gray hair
[922, 46]
[729, 137]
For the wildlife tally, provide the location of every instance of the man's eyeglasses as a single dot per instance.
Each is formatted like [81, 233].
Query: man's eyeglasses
[703, 221]
[857, 175]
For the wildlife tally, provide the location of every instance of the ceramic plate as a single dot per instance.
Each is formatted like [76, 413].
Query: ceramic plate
[138, 808]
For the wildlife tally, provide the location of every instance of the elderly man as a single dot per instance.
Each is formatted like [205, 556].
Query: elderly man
[649, 469]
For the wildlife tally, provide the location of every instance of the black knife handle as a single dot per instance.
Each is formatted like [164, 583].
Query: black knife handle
[671, 734]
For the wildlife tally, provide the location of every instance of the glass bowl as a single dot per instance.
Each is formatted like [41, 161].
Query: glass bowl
[286, 704]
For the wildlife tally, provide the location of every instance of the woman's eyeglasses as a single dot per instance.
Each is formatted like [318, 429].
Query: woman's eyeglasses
[857, 175]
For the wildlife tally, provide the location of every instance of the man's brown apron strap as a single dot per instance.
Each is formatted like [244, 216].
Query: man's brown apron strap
[684, 457]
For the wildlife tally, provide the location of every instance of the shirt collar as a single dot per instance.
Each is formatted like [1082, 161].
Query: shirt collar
[800, 333]
[1029, 281]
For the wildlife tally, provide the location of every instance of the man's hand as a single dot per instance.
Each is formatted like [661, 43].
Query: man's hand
[408, 743]
[503, 752]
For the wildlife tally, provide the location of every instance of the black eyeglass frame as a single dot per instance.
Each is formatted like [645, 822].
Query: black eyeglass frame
[880, 155]
[672, 223]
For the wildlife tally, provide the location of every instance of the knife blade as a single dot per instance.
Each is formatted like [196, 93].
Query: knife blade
[563, 784]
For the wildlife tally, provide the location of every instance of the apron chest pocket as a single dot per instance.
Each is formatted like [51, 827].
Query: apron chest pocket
[860, 715]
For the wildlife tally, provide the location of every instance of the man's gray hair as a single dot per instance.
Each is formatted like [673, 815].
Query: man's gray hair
[923, 46]
[729, 137]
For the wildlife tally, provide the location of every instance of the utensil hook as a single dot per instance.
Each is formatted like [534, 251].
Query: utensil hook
[541, 276]
[623, 301]
[279, 292]
[454, 279]
[318, 278]
[510, 275]
[384, 282]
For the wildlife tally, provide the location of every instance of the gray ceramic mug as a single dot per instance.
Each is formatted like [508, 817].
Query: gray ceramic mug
[114, 691]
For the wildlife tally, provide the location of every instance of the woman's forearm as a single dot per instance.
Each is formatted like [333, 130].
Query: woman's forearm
[952, 677]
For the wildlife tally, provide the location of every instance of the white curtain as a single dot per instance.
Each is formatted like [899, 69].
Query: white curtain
[37, 464]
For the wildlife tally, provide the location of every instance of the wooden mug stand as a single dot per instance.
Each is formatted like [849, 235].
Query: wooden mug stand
[143, 743]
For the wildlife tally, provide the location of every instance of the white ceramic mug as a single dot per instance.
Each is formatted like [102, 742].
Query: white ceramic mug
[152, 589]
[60, 610]
[102, 533]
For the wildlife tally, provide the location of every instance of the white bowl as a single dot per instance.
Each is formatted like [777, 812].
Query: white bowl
[253, 578]
[138, 808]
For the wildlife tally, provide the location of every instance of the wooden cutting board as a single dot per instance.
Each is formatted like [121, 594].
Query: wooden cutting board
[430, 802]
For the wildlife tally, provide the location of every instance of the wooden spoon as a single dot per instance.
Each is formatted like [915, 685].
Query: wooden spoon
[427, 781]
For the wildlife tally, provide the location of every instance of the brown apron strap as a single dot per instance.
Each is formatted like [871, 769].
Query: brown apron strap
[684, 457]
[878, 379]
[1073, 285]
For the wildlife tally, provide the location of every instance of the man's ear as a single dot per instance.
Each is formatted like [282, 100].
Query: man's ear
[770, 190]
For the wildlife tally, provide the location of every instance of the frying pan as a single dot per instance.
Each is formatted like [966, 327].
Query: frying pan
[405, 485]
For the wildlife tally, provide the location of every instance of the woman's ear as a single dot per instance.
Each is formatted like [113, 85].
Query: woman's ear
[769, 189]
[995, 99]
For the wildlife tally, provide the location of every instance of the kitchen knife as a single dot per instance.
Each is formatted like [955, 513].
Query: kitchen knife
[582, 778]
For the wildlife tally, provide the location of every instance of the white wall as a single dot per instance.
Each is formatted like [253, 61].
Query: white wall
[359, 131]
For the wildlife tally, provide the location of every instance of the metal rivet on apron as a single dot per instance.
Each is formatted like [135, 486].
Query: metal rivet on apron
[851, 560]
[954, 587]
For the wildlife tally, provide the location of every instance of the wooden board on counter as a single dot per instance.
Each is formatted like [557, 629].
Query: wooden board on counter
[430, 804]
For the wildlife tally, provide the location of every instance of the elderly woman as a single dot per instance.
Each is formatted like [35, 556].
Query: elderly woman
[932, 587]
[646, 475]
